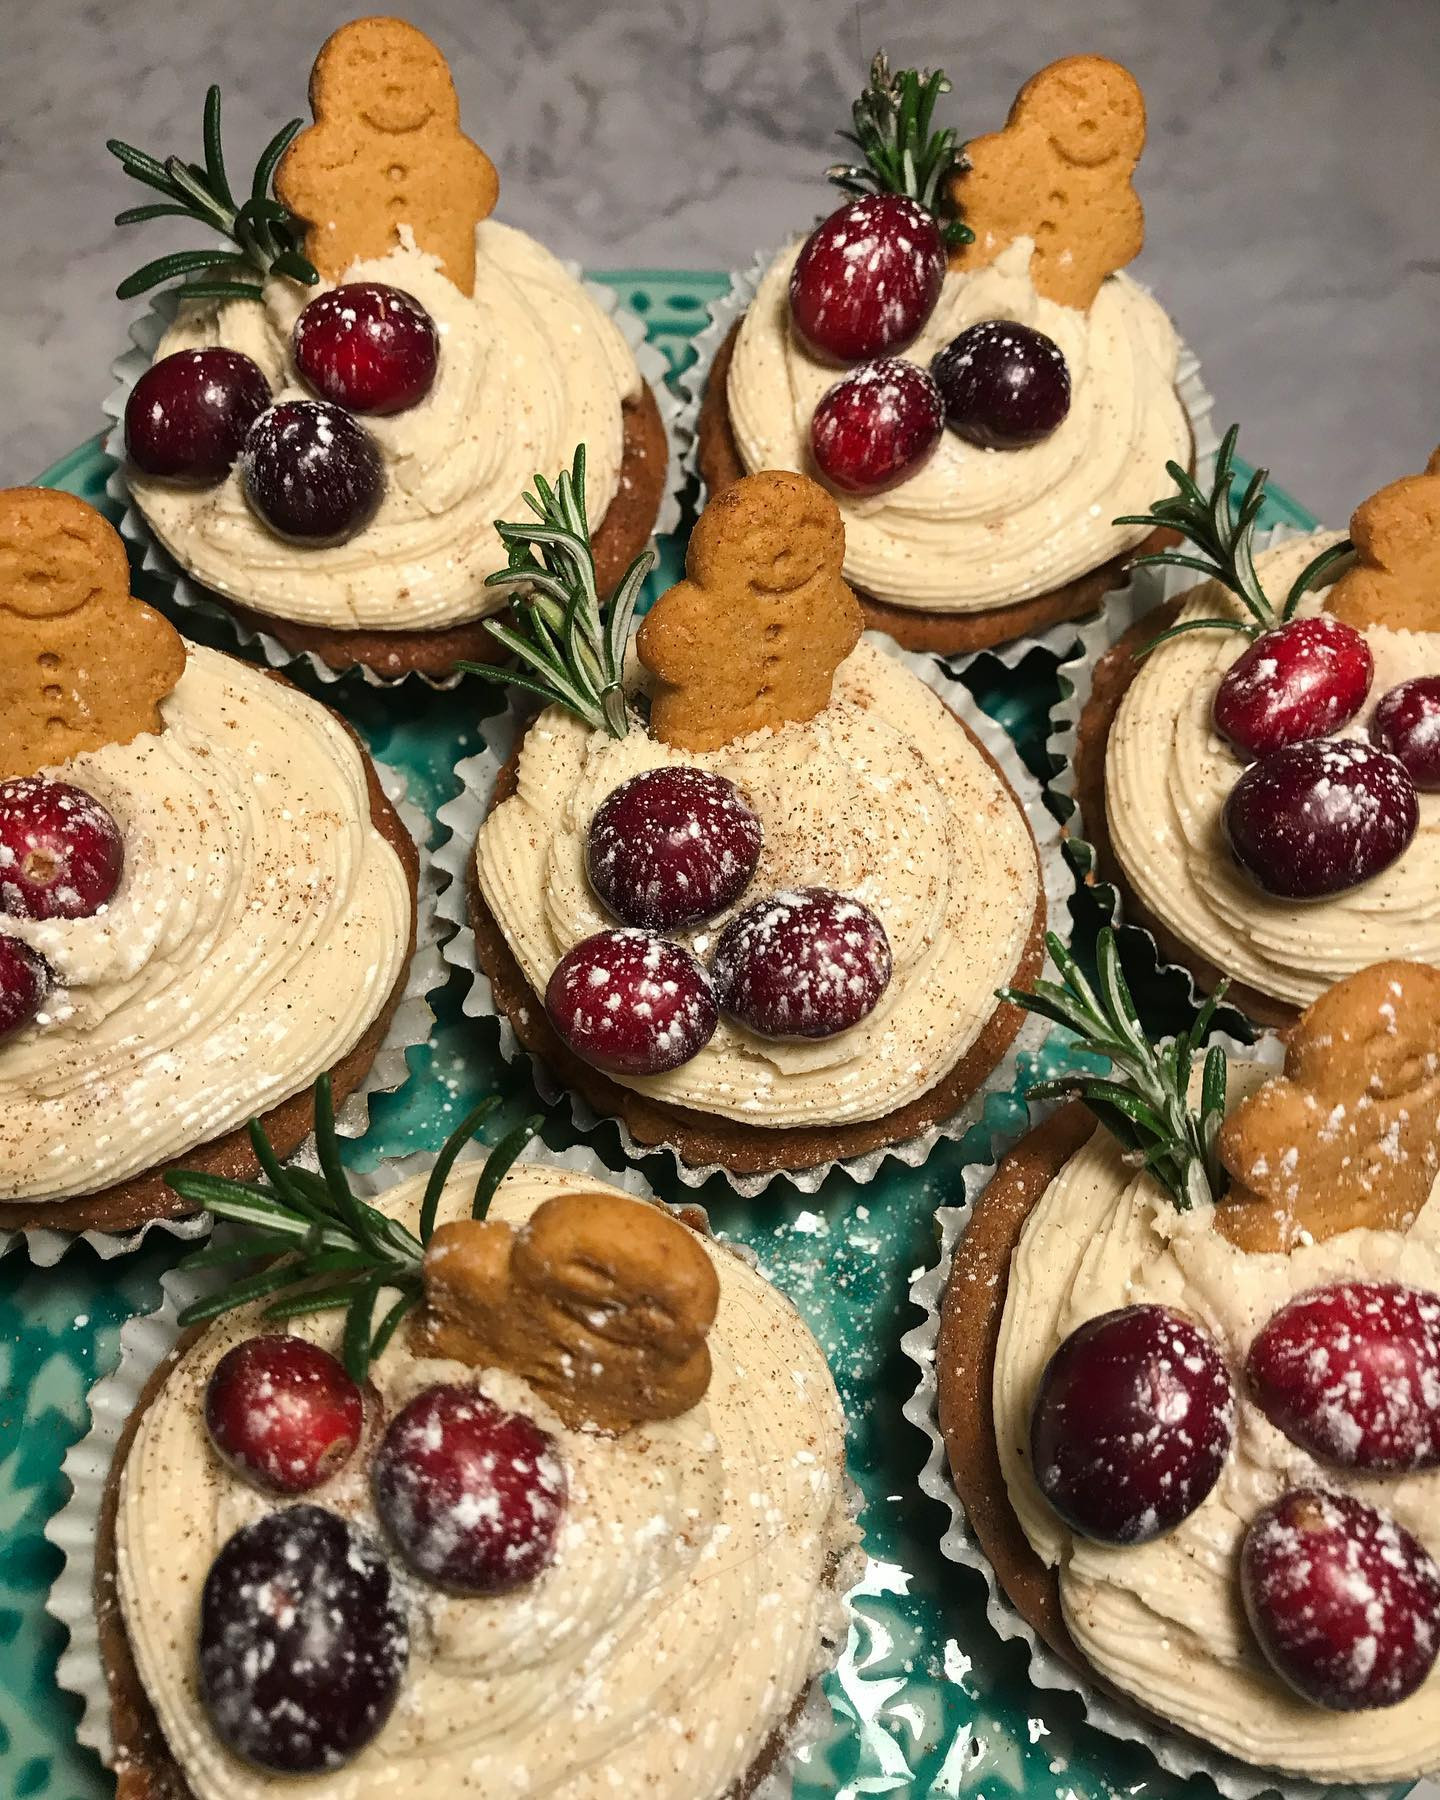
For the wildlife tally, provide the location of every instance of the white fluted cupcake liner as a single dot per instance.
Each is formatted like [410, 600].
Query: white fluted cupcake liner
[728, 308]
[409, 1028]
[148, 1340]
[464, 815]
[1175, 1752]
[189, 596]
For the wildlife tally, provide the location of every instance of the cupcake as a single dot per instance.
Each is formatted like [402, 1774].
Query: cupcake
[346, 399]
[557, 1504]
[1258, 760]
[206, 899]
[958, 356]
[750, 888]
[1188, 1367]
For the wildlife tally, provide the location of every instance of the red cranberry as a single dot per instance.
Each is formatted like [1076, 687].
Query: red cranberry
[1320, 817]
[25, 982]
[1301, 680]
[867, 278]
[876, 426]
[303, 1642]
[367, 347]
[1004, 385]
[61, 853]
[631, 1003]
[1407, 724]
[671, 847]
[1343, 1600]
[1351, 1373]
[188, 414]
[283, 1413]
[312, 472]
[472, 1495]
[804, 964]
[1132, 1424]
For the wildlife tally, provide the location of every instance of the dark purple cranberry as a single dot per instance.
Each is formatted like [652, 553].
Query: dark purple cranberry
[472, 1495]
[312, 472]
[1004, 385]
[804, 964]
[61, 852]
[1351, 1373]
[1320, 817]
[867, 278]
[1344, 1601]
[303, 1642]
[631, 1003]
[25, 982]
[671, 847]
[876, 426]
[1132, 1424]
[188, 415]
[1407, 724]
[1302, 680]
[368, 347]
[283, 1413]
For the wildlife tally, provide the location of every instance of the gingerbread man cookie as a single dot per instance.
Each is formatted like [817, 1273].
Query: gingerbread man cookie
[1347, 1136]
[755, 632]
[386, 150]
[1395, 579]
[601, 1303]
[81, 663]
[1060, 173]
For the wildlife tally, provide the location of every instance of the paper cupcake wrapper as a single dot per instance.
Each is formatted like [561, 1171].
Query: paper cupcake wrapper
[409, 1028]
[1176, 1753]
[146, 1341]
[729, 307]
[186, 595]
[463, 817]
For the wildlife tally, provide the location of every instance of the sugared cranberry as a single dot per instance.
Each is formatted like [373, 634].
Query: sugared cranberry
[61, 853]
[876, 426]
[1301, 680]
[188, 415]
[25, 981]
[303, 1642]
[283, 1413]
[1407, 724]
[1004, 385]
[312, 472]
[671, 847]
[631, 1003]
[471, 1494]
[1344, 1601]
[368, 347]
[1132, 1424]
[804, 964]
[867, 278]
[1351, 1373]
[1320, 817]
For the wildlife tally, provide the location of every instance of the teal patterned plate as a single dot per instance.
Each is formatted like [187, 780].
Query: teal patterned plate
[928, 1700]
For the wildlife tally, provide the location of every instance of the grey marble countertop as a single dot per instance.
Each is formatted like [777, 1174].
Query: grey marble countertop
[1289, 180]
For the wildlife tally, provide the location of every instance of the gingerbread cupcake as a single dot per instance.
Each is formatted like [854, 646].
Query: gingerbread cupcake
[206, 898]
[1256, 759]
[958, 355]
[344, 401]
[556, 1498]
[750, 889]
[1187, 1375]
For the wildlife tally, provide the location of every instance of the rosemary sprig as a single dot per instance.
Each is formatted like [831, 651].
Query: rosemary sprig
[266, 236]
[1224, 537]
[902, 155]
[571, 647]
[1145, 1102]
[319, 1247]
